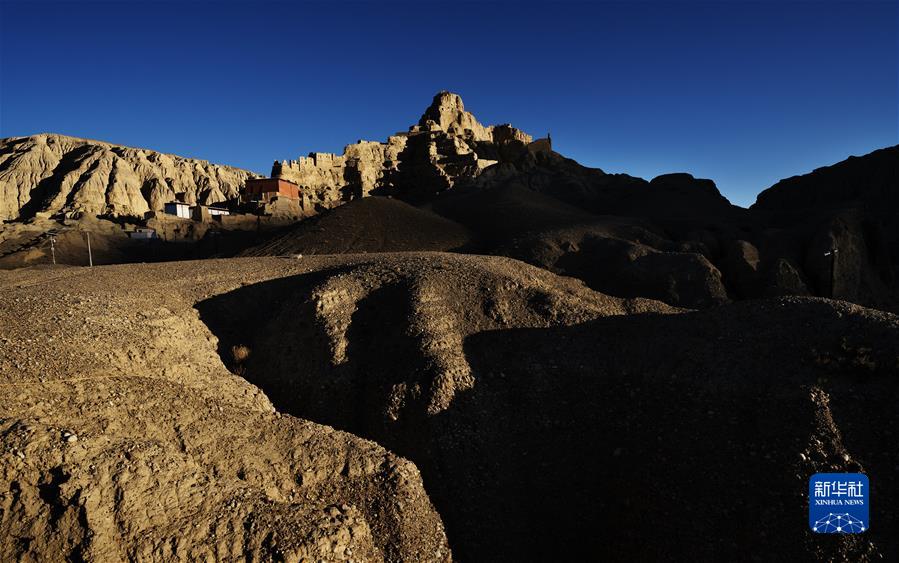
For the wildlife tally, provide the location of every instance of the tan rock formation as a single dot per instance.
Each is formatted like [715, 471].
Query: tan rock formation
[55, 173]
[329, 179]
[447, 113]
[447, 145]
[52, 174]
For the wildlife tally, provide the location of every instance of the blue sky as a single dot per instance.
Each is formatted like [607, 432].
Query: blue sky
[744, 93]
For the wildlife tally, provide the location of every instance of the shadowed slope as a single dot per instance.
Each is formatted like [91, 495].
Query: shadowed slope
[551, 422]
[375, 345]
[372, 224]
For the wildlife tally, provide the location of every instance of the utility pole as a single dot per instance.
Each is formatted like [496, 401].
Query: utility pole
[833, 270]
[90, 257]
[53, 249]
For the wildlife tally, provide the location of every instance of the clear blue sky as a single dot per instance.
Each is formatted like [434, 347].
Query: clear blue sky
[744, 93]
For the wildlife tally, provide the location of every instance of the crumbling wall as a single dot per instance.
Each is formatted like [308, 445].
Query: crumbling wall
[328, 179]
[447, 145]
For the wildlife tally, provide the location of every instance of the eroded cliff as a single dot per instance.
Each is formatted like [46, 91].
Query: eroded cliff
[50, 173]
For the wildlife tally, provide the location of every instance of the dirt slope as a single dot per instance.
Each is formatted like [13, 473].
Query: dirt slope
[551, 422]
[125, 438]
[372, 224]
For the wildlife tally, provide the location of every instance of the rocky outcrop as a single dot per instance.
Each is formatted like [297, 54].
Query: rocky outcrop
[672, 199]
[629, 269]
[544, 202]
[779, 247]
[53, 174]
[125, 438]
[329, 180]
[376, 345]
[447, 113]
[782, 277]
[447, 145]
[851, 207]
[608, 262]
[550, 423]
[867, 181]
[740, 267]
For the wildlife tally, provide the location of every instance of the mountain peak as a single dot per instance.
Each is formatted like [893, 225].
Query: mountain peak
[445, 106]
[447, 113]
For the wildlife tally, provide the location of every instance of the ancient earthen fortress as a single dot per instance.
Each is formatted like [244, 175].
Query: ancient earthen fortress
[446, 146]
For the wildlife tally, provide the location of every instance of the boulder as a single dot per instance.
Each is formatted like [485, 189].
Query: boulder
[629, 269]
[740, 268]
[782, 277]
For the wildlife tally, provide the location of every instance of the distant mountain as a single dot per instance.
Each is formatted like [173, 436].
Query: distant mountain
[55, 173]
[496, 190]
[869, 182]
[851, 207]
[673, 238]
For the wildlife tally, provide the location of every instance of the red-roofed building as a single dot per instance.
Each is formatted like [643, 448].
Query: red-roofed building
[265, 189]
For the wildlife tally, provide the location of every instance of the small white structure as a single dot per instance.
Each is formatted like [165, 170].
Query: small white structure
[178, 209]
[143, 233]
[218, 211]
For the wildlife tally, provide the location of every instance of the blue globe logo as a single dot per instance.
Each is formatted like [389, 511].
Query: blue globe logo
[844, 523]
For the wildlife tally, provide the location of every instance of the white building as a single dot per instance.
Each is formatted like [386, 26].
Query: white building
[143, 233]
[178, 209]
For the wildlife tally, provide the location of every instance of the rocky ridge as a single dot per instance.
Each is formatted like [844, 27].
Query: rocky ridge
[53, 174]
[850, 206]
[447, 145]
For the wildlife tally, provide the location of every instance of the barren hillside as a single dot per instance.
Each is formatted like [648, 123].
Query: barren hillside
[547, 420]
[371, 224]
[54, 173]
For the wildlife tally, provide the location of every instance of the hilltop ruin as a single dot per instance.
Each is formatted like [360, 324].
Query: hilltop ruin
[446, 146]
